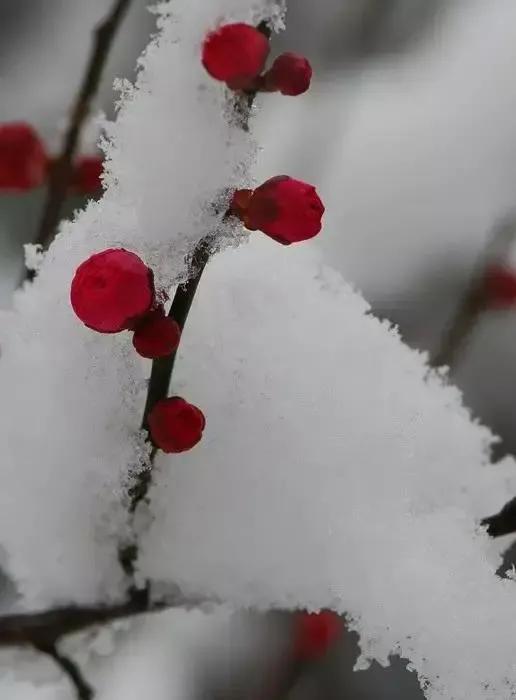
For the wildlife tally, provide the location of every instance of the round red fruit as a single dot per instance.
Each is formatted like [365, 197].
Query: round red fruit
[23, 160]
[87, 174]
[314, 633]
[235, 53]
[176, 425]
[290, 74]
[500, 287]
[287, 210]
[112, 290]
[156, 335]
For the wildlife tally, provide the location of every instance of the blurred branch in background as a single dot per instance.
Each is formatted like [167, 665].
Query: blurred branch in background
[62, 167]
[474, 300]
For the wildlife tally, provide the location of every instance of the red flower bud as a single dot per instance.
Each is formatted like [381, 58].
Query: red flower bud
[87, 173]
[290, 74]
[285, 209]
[500, 287]
[23, 161]
[235, 53]
[314, 633]
[176, 425]
[111, 290]
[156, 335]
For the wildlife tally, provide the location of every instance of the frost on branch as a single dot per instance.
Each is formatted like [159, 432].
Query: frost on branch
[334, 470]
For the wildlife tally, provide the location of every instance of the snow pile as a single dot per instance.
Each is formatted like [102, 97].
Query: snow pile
[334, 470]
[72, 400]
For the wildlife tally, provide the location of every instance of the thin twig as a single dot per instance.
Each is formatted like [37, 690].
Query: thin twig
[473, 303]
[162, 368]
[71, 670]
[60, 174]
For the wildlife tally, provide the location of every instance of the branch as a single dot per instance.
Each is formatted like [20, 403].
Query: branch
[472, 304]
[162, 368]
[42, 630]
[62, 167]
[72, 671]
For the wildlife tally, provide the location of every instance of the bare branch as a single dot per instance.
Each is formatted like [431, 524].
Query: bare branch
[62, 167]
[72, 671]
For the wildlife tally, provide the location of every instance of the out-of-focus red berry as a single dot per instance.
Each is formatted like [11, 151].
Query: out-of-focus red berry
[290, 74]
[87, 174]
[23, 160]
[500, 287]
[287, 210]
[111, 290]
[156, 335]
[235, 54]
[176, 425]
[314, 633]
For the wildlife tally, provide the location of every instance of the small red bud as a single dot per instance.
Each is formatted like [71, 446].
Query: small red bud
[111, 289]
[290, 74]
[23, 160]
[500, 287]
[176, 425]
[156, 335]
[235, 54]
[287, 210]
[87, 174]
[314, 633]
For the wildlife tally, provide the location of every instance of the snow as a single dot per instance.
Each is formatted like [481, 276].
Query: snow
[336, 470]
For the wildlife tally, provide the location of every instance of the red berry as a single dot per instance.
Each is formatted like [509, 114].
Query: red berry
[290, 74]
[287, 210]
[314, 633]
[87, 174]
[235, 53]
[156, 335]
[500, 287]
[111, 290]
[23, 161]
[176, 425]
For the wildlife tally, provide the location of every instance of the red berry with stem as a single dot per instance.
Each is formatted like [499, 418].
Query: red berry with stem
[235, 54]
[290, 74]
[500, 287]
[156, 335]
[314, 633]
[23, 160]
[287, 210]
[87, 174]
[112, 290]
[176, 425]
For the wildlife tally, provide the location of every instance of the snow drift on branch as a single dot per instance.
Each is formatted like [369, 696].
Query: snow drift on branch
[335, 470]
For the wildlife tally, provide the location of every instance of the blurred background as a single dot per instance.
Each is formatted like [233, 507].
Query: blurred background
[409, 133]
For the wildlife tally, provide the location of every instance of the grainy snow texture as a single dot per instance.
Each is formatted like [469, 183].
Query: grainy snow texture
[71, 400]
[334, 471]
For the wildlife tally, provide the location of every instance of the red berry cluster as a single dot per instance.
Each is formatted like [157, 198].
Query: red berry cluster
[236, 55]
[499, 287]
[25, 163]
[113, 291]
[314, 633]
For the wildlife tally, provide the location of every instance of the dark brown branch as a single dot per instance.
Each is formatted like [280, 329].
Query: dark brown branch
[473, 301]
[504, 522]
[72, 671]
[44, 629]
[62, 168]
